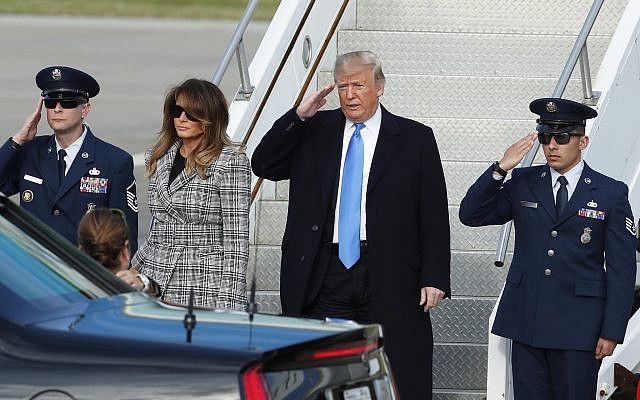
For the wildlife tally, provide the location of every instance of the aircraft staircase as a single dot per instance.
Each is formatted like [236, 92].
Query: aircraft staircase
[468, 69]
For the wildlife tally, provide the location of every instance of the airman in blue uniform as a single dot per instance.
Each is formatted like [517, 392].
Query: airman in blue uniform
[62, 176]
[564, 305]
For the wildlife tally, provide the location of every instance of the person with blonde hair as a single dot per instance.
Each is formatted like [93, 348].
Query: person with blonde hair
[199, 190]
[104, 235]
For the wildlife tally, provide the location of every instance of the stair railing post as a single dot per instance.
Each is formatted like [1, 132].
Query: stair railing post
[585, 74]
[243, 67]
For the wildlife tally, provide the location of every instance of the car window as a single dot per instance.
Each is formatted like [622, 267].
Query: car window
[34, 279]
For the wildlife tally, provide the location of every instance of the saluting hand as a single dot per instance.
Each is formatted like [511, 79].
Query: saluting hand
[310, 106]
[430, 297]
[516, 152]
[30, 127]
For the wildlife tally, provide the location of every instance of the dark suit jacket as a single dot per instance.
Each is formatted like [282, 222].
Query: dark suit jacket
[32, 171]
[407, 225]
[557, 294]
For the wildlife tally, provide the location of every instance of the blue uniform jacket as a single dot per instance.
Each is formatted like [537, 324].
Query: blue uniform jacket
[558, 294]
[101, 176]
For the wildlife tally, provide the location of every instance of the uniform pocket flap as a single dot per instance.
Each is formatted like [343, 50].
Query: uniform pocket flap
[592, 288]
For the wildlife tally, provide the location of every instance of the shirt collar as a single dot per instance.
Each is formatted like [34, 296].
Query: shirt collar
[372, 124]
[573, 175]
[74, 147]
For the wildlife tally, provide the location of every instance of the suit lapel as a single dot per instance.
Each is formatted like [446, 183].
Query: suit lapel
[49, 164]
[386, 148]
[544, 191]
[79, 167]
[328, 146]
[163, 172]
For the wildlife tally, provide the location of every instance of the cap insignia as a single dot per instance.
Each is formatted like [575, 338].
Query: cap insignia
[551, 106]
[56, 74]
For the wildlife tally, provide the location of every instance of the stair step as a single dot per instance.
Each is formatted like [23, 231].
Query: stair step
[470, 54]
[472, 273]
[459, 366]
[464, 238]
[488, 16]
[462, 320]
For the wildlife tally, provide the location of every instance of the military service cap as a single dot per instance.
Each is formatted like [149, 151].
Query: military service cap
[560, 115]
[58, 82]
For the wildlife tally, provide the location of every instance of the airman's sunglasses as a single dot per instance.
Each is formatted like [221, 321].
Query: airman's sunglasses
[176, 111]
[561, 138]
[68, 103]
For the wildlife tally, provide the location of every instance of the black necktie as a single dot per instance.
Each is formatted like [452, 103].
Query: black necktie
[563, 195]
[61, 165]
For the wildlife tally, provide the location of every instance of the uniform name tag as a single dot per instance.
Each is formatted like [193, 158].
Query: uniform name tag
[33, 179]
[90, 184]
[595, 214]
[529, 204]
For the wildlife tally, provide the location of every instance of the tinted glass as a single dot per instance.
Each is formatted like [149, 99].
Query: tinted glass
[33, 279]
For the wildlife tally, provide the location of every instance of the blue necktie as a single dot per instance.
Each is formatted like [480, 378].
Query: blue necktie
[350, 198]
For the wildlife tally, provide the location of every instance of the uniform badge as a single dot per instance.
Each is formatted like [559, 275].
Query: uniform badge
[85, 154]
[585, 238]
[592, 204]
[94, 171]
[91, 207]
[132, 199]
[589, 213]
[27, 196]
[90, 184]
[630, 225]
[56, 74]
[551, 106]
[587, 181]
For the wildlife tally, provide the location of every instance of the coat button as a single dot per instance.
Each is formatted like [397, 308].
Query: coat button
[314, 228]
[550, 253]
[302, 259]
[56, 212]
[547, 271]
[554, 233]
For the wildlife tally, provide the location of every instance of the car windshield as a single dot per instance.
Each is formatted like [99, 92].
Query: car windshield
[33, 279]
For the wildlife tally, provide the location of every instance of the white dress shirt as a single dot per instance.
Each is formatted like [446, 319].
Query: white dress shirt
[369, 138]
[72, 150]
[573, 177]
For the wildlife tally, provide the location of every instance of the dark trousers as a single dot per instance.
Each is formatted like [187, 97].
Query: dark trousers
[552, 374]
[344, 293]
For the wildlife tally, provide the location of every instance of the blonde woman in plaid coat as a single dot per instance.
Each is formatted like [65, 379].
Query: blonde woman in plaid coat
[199, 188]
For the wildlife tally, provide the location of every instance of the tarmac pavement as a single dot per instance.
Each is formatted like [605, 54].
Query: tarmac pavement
[135, 61]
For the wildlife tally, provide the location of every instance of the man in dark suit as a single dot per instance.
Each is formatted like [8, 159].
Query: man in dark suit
[367, 233]
[62, 176]
[565, 305]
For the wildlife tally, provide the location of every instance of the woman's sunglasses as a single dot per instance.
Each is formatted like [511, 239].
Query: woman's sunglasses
[176, 111]
[69, 103]
[561, 138]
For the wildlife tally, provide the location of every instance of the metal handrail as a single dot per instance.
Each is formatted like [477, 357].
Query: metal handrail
[579, 51]
[312, 71]
[236, 46]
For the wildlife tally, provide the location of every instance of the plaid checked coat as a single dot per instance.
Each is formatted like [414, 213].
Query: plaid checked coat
[199, 236]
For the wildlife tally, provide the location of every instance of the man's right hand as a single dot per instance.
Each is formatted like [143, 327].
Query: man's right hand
[30, 127]
[310, 106]
[516, 152]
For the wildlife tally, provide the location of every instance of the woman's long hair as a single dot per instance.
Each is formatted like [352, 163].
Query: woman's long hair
[102, 233]
[204, 101]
